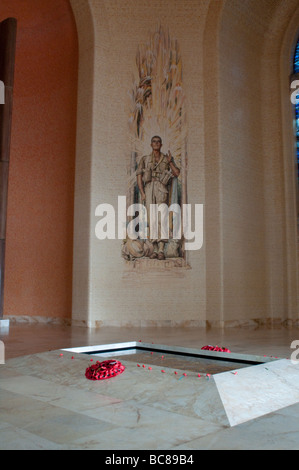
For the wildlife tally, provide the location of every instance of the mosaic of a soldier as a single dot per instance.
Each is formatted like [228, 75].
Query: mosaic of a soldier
[153, 176]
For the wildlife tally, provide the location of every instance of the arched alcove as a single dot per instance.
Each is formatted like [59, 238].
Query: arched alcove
[245, 274]
[103, 293]
[290, 164]
[256, 275]
[280, 165]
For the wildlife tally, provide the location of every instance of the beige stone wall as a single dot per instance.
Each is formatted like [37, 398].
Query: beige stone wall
[228, 282]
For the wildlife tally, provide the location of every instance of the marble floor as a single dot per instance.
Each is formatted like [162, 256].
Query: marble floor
[47, 403]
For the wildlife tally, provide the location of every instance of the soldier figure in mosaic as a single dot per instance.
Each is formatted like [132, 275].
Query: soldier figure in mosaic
[153, 176]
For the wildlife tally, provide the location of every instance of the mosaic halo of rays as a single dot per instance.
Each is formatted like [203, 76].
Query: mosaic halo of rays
[158, 99]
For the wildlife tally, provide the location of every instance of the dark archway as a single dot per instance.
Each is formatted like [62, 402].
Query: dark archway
[8, 31]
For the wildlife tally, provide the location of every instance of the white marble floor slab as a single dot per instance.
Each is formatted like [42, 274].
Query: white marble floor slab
[47, 403]
[258, 390]
[47, 396]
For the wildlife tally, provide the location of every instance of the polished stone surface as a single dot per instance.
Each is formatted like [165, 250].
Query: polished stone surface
[47, 403]
[256, 391]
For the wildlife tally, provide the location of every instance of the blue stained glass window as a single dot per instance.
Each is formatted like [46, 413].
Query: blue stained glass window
[296, 58]
[296, 70]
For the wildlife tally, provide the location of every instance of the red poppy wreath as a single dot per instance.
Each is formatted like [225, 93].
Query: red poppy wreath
[104, 370]
[215, 348]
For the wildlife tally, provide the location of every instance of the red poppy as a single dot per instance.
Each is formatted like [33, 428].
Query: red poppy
[104, 370]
